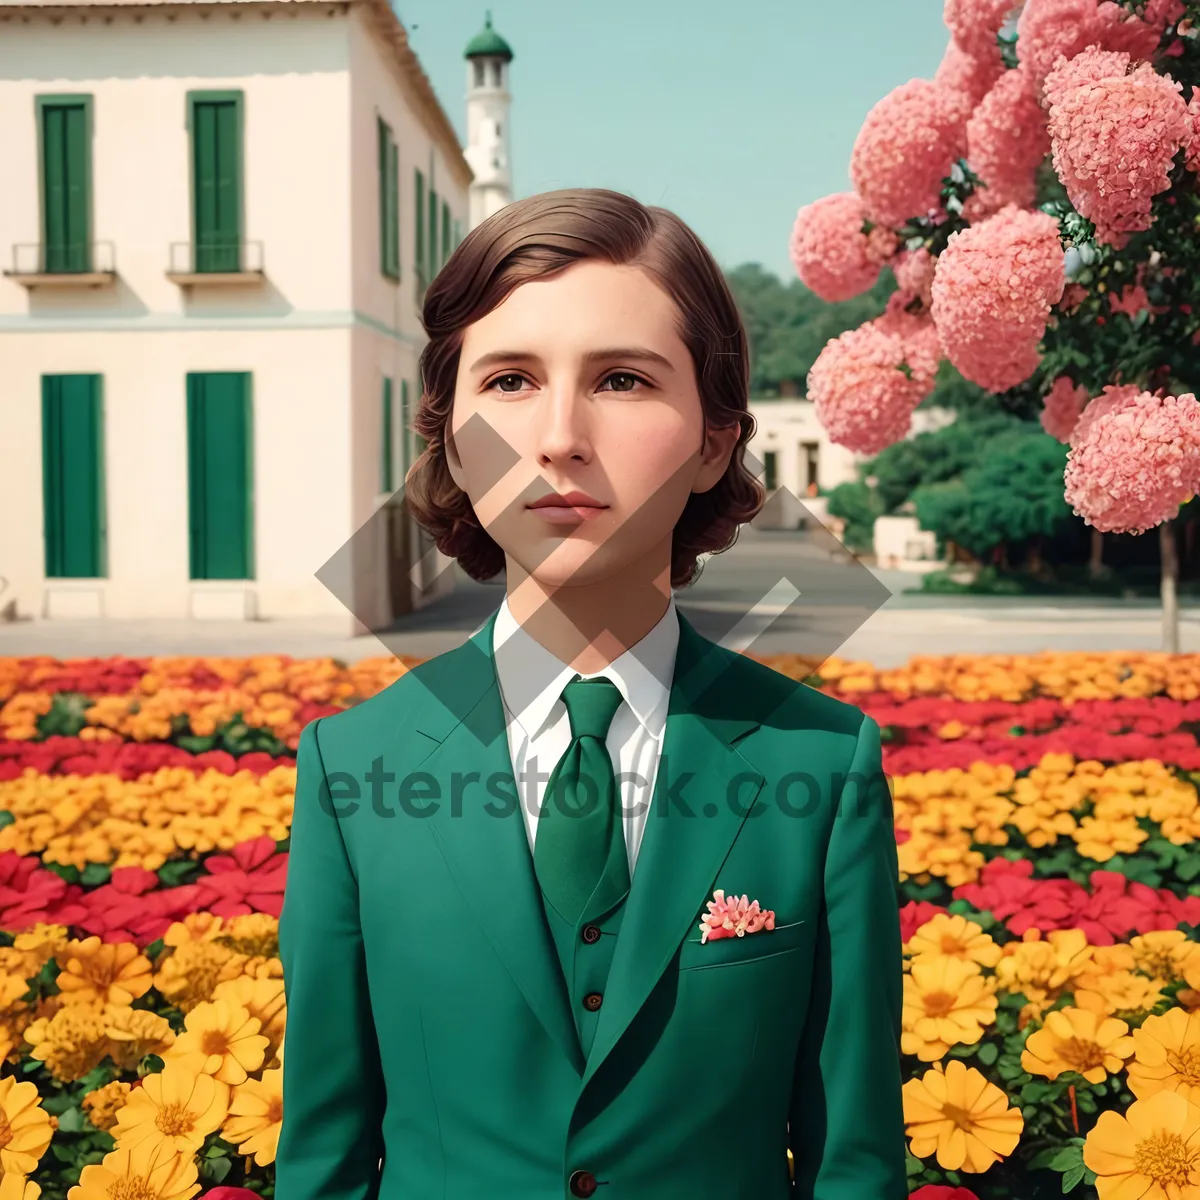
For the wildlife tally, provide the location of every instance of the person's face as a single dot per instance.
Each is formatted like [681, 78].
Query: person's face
[581, 383]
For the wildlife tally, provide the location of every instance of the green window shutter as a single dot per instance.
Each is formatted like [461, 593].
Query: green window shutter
[73, 477]
[386, 474]
[220, 475]
[446, 247]
[405, 429]
[64, 136]
[432, 255]
[216, 125]
[389, 203]
[419, 210]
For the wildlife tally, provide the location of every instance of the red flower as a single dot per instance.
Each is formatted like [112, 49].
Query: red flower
[914, 914]
[250, 879]
[229, 1193]
[30, 895]
[931, 1191]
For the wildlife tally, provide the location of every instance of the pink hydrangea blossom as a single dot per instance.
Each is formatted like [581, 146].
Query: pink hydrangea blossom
[1048, 29]
[831, 254]
[918, 335]
[733, 917]
[1134, 458]
[906, 147]
[1114, 139]
[1007, 139]
[975, 26]
[966, 80]
[1192, 159]
[993, 289]
[1061, 408]
[865, 389]
[914, 275]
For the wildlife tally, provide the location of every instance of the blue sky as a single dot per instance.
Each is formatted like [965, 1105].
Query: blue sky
[731, 114]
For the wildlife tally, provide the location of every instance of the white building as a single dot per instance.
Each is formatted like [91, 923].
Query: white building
[218, 220]
[798, 456]
[489, 103]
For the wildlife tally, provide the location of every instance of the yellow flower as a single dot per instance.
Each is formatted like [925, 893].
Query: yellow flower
[962, 1117]
[25, 1127]
[956, 937]
[188, 975]
[262, 998]
[256, 1117]
[1123, 994]
[103, 1104]
[147, 1173]
[17, 1187]
[70, 1043]
[1167, 1056]
[176, 1109]
[1153, 1150]
[1043, 969]
[221, 1039]
[1074, 1039]
[99, 973]
[134, 1033]
[1163, 954]
[255, 934]
[947, 1002]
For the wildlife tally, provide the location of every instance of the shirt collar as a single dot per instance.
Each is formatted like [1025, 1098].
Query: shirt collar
[531, 678]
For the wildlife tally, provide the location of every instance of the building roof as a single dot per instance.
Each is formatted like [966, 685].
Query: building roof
[487, 43]
[382, 19]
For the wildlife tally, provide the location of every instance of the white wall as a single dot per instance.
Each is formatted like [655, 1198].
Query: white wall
[317, 337]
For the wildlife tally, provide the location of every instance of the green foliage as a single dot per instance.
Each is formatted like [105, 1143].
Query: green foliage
[936, 456]
[1013, 493]
[858, 505]
[788, 326]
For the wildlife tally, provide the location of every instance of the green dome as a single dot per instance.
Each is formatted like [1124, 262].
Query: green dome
[488, 43]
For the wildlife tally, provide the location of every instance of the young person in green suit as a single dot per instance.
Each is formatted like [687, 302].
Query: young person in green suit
[515, 960]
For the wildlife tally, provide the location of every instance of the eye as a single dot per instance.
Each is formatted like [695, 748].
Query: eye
[501, 380]
[627, 381]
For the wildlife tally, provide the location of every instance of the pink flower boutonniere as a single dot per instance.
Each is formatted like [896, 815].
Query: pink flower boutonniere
[734, 917]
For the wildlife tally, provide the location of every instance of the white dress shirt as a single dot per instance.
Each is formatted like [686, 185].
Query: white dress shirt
[531, 681]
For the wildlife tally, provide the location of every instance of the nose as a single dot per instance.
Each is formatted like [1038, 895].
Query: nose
[564, 426]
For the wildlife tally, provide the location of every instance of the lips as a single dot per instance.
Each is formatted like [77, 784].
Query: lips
[567, 500]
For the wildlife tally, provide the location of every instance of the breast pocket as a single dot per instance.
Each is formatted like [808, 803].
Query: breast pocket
[695, 955]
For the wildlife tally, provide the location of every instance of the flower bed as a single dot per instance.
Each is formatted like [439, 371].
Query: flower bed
[1046, 818]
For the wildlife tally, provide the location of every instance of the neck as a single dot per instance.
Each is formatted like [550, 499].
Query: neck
[589, 626]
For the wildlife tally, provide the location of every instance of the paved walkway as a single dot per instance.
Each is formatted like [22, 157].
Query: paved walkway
[761, 575]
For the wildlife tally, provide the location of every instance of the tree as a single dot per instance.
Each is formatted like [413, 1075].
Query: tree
[1012, 495]
[1037, 204]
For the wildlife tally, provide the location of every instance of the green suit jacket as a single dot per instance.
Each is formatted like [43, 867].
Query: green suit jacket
[428, 1024]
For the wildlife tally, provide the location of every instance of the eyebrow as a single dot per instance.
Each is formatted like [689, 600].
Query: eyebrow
[626, 353]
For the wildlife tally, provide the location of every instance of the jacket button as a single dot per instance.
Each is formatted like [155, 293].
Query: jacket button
[592, 1002]
[591, 933]
[582, 1183]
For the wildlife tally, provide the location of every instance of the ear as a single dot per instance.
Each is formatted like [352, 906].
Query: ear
[718, 448]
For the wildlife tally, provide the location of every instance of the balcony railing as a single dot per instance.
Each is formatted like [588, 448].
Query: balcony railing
[216, 261]
[49, 264]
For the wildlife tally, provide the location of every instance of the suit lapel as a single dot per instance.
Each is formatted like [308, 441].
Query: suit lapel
[482, 836]
[703, 790]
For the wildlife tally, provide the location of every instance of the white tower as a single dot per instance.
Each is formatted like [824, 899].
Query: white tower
[488, 102]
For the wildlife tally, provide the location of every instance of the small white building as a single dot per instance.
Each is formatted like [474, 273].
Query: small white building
[798, 456]
[219, 218]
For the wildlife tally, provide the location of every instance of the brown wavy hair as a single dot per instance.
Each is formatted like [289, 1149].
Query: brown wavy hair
[538, 238]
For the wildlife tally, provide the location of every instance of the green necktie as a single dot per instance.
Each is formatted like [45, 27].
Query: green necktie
[579, 849]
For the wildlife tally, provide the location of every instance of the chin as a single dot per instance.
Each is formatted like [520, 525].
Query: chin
[574, 563]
